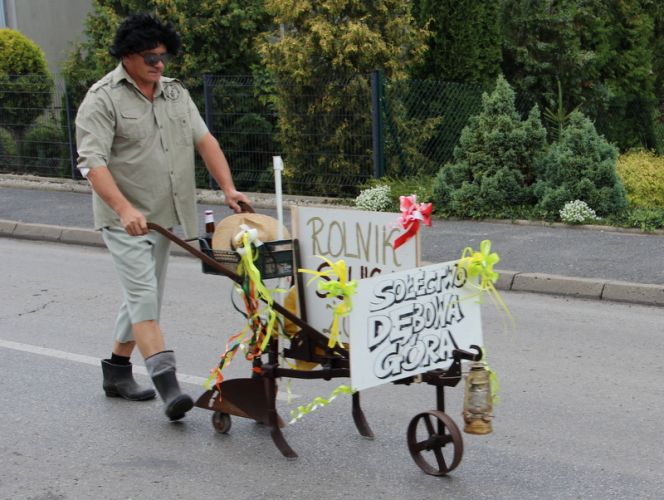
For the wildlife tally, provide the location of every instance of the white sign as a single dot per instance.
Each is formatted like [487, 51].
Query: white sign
[410, 322]
[364, 240]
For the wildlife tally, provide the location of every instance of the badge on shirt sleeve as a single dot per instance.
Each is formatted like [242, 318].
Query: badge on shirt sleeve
[172, 92]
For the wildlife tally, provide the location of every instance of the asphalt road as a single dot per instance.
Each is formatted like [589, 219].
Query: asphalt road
[580, 389]
[568, 251]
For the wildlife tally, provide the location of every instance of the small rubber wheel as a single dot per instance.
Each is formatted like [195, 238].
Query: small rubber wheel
[436, 446]
[221, 422]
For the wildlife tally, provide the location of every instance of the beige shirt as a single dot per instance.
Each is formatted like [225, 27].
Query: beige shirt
[147, 146]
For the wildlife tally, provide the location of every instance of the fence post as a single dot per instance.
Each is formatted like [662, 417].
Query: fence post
[207, 96]
[72, 153]
[377, 134]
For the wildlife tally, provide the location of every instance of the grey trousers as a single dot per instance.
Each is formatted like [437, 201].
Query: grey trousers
[141, 263]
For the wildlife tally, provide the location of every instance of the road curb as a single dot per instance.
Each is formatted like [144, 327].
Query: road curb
[268, 200]
[624, 292]
[584, 288]
[60, 234]
[587, 288]
[205, 196]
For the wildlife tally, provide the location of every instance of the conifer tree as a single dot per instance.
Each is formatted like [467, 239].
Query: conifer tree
[581, 166]
[628, 118]
[465, 41]
[493, 168]
[552, 41]
[321, 59]
[656, 11]
[600, 52]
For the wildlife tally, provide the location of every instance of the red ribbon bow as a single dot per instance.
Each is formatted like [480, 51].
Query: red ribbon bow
[412, 213]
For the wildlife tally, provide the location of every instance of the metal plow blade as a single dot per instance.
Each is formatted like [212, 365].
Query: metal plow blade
[242, 397]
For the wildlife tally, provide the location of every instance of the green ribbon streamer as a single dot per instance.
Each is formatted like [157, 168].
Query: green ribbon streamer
[319, 402]
[480, 265]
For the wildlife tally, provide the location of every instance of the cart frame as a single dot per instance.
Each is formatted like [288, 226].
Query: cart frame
[255, 397]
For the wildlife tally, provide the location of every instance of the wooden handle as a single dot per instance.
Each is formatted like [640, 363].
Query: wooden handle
[246, 208]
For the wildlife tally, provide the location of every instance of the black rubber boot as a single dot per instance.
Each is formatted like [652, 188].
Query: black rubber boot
[119, 383]
[161, 367]
[176, 403]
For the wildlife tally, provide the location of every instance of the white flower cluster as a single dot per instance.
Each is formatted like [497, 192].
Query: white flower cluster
[577, 212]
[375, 199]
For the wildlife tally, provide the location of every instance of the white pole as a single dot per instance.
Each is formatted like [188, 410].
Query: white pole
[278, 168]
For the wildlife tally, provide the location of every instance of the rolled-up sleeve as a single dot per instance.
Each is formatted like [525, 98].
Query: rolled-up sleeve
[95, 128]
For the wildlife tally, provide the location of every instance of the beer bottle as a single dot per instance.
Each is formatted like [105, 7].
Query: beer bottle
[209, 227]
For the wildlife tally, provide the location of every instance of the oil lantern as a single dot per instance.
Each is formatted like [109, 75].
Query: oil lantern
[477, 401]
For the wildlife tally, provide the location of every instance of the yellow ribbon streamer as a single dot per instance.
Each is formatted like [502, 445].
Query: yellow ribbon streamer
[247, 260]
[318, 402]
[480, 265]
[341, 288]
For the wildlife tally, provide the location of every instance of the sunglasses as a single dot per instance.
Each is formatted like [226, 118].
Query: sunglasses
[154, 59]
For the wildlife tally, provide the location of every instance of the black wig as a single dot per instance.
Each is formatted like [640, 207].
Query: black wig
[140, 32]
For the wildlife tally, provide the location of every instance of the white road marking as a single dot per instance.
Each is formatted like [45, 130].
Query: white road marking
[91, 360]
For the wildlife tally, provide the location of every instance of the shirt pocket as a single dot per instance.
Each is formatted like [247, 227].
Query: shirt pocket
[180, 122]
[132, 125]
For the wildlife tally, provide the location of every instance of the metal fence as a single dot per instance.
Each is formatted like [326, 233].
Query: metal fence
[35, 127]
[423, 120]
[240, 115]
[333, 135]
[322, 130]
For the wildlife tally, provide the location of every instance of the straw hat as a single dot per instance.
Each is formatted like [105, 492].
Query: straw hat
[227, 229]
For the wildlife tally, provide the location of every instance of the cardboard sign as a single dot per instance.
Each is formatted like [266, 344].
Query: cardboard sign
[364, 240]
[409, 322]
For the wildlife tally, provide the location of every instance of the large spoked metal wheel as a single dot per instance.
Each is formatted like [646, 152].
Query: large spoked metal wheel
[435, 442]
[221, 422]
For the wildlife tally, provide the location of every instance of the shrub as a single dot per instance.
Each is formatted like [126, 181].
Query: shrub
[642, 173]
[419, 185]
[577, 212]
[25, 82]
[376, 199]
[7, 150]
[7, 143]
[45, 149]
[646, 219]
[493, 167]
[581, 166]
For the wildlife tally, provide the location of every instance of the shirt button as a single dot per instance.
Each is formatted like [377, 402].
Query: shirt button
[166, 149]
